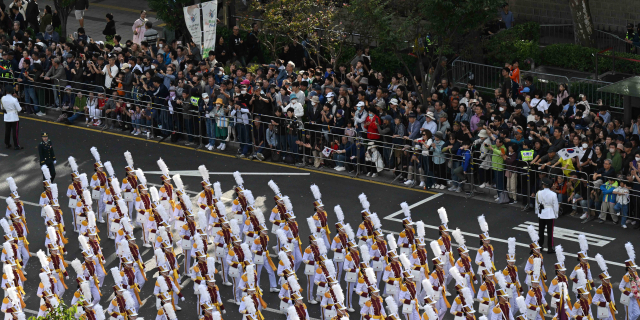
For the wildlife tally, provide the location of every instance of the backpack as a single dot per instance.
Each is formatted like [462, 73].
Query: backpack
[288, 159]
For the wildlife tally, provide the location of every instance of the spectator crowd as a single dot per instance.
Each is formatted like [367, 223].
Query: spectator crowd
[350, 117]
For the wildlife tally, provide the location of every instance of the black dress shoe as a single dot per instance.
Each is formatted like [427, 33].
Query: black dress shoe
[8, 146]
[18, 148]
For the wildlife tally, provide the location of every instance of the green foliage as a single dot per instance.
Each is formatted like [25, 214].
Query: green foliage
[571, 56]
[170, 12]
[63, 312]
[519, 42]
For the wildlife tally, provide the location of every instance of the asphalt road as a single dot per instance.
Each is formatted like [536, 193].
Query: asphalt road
[504, 221]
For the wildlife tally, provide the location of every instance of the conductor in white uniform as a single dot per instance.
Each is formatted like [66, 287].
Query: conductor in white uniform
[547, 211]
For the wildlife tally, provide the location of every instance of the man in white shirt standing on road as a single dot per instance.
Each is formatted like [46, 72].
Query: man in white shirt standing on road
[11, 107]
[547, 210]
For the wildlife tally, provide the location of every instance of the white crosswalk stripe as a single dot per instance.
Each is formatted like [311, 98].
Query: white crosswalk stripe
[570, 235]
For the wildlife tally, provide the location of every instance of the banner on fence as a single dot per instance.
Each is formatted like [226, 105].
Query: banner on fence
[209, 22]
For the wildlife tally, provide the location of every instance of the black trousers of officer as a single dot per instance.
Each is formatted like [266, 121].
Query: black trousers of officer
[542, 224]
[12, 128]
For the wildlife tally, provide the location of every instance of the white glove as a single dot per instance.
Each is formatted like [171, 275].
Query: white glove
[224, 311]
[67, 277]
[55, 161]
[182, 299]
[206, 115]
[475, 281]
[538, 309]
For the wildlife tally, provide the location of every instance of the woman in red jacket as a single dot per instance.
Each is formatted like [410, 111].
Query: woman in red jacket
[371, 124]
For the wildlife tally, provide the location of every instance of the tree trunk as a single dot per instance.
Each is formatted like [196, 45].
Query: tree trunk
[64, 9]
[582, 23]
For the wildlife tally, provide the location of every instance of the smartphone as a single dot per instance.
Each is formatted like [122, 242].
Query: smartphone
[179, 42]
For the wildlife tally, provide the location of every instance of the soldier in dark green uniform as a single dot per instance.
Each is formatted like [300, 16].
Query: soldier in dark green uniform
[47, 156]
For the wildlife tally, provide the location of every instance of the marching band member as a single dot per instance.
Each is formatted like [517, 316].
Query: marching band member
[409, 296]
[463, 264]
[340, 241]
[167, 191]
[393, 275]
[464, 297]
[250, 307]
[604, 297]
[530, 268]
[292, 232]
[262, 259]
[313, 254]
[99, 182]
[209, 314]
[166, 286]
[47, 287]
[430, 312]
[130, 186]
[502, 311]
[215, 216]
[630, 281]
[82, 277]
[75, 191]
[487, 293]
[206, 197]
[18, 231]
[19, 210]
[46, 198]
[288, 287]
[510, 273]
[320, 217]
[374, 308]
[210, 293]
[252, 225]
[583, 265]
[561, 276]
[378, 253]
[352, 268]
[419, 260]
[366, 279]
[11, 252]
[445, 243]
[285, 265]
[582, 307]
[238, 258]
[332, 300]
[535, 297]
[12, 305]
[112, 194]
[366, 228]
[223, 242]
[299, 310]
[166, 310]
[203, 267]
[93, 260]
[277, 217]
[55, 266]
[144, 206]
[563, 305]
[179, 209]
[486, 246]
[438, 278]
[11, 278]
[187, 233]
[240, 204]
[83, 293]
[123, 305]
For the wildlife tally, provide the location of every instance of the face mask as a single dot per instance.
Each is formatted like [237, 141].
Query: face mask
[217, 106]
[359, 108]
[370, 115]
[220, 73]
[206, 101]
[612, 150]
[441, 91]
[530, 138]
[638, 159]
[243, 91]
[153, 67]
[491, 118]
[172, 94]
[585, 145]
[313, 104]
[330, 99]
[501, 109]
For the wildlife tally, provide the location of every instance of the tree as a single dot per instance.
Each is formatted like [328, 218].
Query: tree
[582, 22]
[62, 312]
[64, 8]
[171, 13]
[402, 27]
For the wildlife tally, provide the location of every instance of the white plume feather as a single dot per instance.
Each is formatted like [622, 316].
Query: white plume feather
[331, 269]
[12, 184]
[312, 225]
[322, 248]
[251, 273]
[584, 245]
[202, 220]
[123, 248]
[169, 311]
[162, 283]
[442, 213]
[405, 209]
[163, 167]
[466, 293]
[630, 251]
[73, 164]
[339, 214]
[457, 235]
[116, 186]
[428, 288]
[502, 282]
[337, 291]
[99, 312]
[457, 276]
[162, 233]
[292, 314]
[371, 275]
[44, 278]
[235, 229]
[54, 190]
[86, 290]
[282, 237]
[435, 248]
[84, 244]
[126, 225]
[43, 259]
[178, 181]
[293, 283]
[204, 172]
[238, 177]
[222, 210]
[601, 263]
[9, 272]
[5, 225]
[287, 203]
[375, 220]
[117, 277]
[247, 252]
[109, 167]
[486, 258]
[211, 264]
[45, 172]
[12, 205]
[364, 254]
[511, 246]
[13, 294]
[187, 201]
[420, 229]
[363, 201]
[155, 196]
[522, 306]
[84, 182]
[582, 278]
[391, 305]
[94, 152]
[533, 234]
[316, 192]
[484, 226]
[7, 248]
[53, 236]
[560, 254]
[391, 242]
[349, 231]
[431, 314]
[48, 211]
[202, 289]
[141, 178]
[274, 187]
[128, 299]
[91, 219]
[537, 267]
[405, 262]
[160, 257]
[77, 267]
[284, 259]
[217, 190]
[162, 212]
[129, 159]
[86, 196]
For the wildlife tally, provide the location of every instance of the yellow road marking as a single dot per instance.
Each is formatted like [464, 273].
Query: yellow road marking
[231, 156]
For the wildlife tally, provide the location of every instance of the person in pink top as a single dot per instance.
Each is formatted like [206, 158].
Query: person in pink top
[139, 28]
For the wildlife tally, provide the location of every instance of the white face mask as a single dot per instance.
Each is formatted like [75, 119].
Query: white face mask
[637, 158]
[491, 118]
[501, 109]
[243, 91]
[585, 145]
[206, 100]
[612, 150]
[330, 99]
[313, 103]
[153, 67]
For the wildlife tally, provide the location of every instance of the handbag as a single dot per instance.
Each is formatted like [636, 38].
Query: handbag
[417, 275]
[114, 226]
[309, 270]
[408, 308]
[406, 251]
[186, 244]
[603, 312]
[128, 196]
[484, 308]
[330, 314]
[392, 289]
[531, 314]
[378, 265]
[95, 194]
[338, 257]
[321, 290]
[258, 259]
[234, 272]
[284, 306]
[625, 299]
[275, 228]
[220, 252]
[73, 203]
[351, 277]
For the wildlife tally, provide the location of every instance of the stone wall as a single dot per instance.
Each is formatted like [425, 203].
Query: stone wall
[608, 15]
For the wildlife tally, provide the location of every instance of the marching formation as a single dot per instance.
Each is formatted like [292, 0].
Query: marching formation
[387, 278]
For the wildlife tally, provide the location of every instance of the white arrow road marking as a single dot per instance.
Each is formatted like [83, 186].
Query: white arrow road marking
[391, 216]
[270, 310]
[196, 173]
[570, 235]
[474, 235]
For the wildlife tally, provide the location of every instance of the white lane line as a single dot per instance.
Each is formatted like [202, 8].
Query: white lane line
[390, 217]
[3, 155]
[570, 235]
[196, 173]
[271, 310]
[25, 202]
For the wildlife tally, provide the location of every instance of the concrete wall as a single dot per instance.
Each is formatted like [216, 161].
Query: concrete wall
[608, 15]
